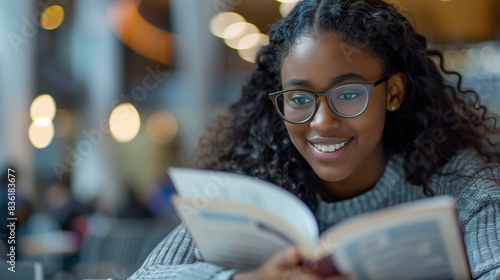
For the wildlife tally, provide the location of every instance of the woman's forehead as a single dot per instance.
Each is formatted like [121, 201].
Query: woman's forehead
[327, 53]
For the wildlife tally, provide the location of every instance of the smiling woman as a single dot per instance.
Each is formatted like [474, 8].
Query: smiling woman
[318, 63]
[362, 122]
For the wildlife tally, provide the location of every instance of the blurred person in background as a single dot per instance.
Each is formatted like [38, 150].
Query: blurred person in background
[158, 201]
[71, 216]
[134, 207]
[62, 205]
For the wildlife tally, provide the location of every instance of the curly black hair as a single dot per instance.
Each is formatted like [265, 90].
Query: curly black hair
[435, 120]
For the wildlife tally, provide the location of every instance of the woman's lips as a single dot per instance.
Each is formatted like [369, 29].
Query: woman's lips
[328, 148]
[325, 151]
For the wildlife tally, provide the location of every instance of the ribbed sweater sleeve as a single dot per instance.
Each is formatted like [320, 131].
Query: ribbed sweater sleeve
[479, 215]
[483, 239]
[174, 258]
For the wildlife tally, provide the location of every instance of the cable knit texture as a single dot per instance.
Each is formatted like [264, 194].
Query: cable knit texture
[474, 184]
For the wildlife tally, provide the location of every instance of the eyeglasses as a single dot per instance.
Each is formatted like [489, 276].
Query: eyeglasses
[347, 100]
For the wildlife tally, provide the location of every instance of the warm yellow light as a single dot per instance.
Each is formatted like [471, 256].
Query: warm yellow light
[42, 122]
[221, 21]
[43, 107]
[252, 40]
[285, 8]
[249, 54]
[52, 17]
[239, 30]
[161, 127]
[287, 1]
[41, 136]
[124, 122]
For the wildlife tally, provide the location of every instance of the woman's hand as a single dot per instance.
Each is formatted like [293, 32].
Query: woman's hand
[283, 265]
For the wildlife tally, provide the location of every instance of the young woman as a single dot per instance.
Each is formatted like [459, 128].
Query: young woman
[348, 110]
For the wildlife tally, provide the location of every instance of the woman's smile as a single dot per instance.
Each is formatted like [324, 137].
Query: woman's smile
[329, 149]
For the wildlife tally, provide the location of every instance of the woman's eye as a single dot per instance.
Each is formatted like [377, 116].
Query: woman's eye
[349, 95]
[300, 100]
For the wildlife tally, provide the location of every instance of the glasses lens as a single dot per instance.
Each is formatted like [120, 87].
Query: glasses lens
[349, 100]
[295, 106]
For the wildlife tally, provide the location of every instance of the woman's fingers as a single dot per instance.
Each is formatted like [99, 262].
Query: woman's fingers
[284, 265]
[286, 259]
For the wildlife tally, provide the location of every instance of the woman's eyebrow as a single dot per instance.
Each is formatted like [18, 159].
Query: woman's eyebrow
[333, 81]
[296, 82]
[348, 77]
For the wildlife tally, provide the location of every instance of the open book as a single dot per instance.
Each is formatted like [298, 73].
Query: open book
[238, 221]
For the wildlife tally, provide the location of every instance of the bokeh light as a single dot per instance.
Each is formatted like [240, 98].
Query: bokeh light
[236, 31]
[252, 40]
[161, 127]
[52, 17]
[43, 121]
[249, 54]
[221, 21]
[43, 106]
[41, 136]
[239, 29]
[124, 122]
[239, 34]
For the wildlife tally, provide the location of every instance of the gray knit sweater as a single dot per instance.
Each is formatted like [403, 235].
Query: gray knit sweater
[474, 185]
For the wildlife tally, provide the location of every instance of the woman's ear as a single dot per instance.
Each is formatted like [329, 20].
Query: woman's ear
[396, 90]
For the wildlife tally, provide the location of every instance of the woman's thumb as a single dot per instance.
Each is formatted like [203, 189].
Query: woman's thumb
[288, 258]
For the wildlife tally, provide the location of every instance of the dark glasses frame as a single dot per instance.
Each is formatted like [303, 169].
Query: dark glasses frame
[368, 86]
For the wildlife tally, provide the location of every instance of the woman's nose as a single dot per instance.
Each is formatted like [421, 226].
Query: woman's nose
[324, 119]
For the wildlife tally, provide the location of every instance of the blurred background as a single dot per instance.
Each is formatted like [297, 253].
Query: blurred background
[99, 97]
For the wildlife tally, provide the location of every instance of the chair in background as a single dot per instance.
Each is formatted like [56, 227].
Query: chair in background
[43, 241]
[116, 248]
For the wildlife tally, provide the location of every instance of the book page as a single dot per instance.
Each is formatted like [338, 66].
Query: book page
[201, 186]
[235, 236]
[423, 244]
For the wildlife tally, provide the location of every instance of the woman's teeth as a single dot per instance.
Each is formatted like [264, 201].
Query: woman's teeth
[330, 148]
